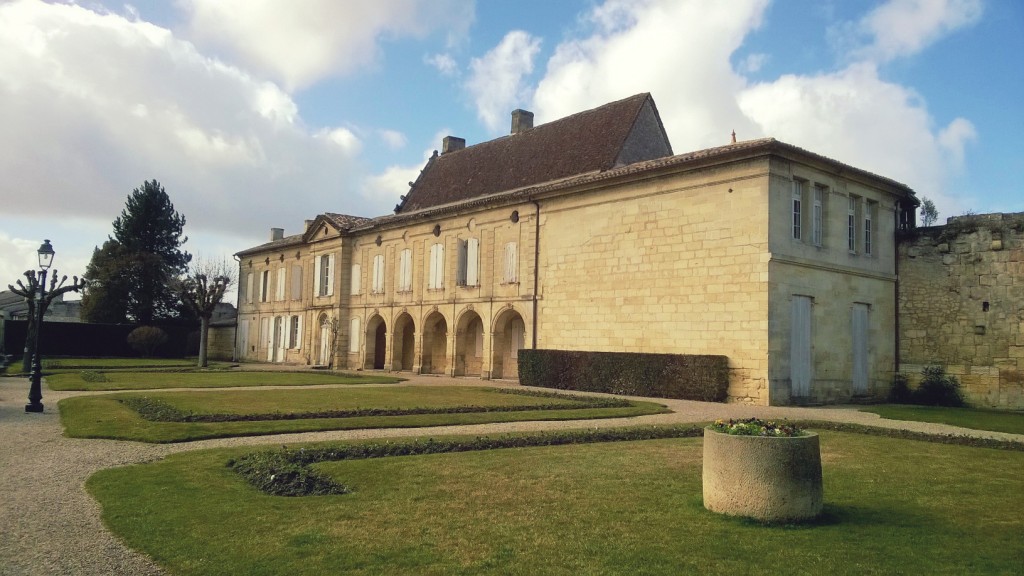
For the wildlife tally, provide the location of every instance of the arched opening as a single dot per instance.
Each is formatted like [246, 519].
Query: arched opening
[469, 345]
[376, 343]
[435, 344]
[403, 345]
[326, 341]
[509, 335]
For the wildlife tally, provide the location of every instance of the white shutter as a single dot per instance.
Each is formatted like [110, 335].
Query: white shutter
[330, 275]
[436, 266]
[318, 266]
[357, 279]
[511, 262]
[281, 279]
[405, 271]
[378, 273]
[473, 262]
[298, 337]
[248, 288]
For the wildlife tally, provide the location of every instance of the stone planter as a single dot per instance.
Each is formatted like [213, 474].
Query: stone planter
[766, 478]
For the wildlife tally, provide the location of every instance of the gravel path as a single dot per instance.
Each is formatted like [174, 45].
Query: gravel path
[50, 525]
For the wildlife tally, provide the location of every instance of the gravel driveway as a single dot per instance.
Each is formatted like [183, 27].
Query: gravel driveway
[49, 524]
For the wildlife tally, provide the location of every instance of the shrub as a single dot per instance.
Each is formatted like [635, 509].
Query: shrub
[146, 339]
[684, 376]
[900, 392]
[938, 388]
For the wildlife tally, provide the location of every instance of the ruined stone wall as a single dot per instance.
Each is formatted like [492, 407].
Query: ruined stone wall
[961, 305]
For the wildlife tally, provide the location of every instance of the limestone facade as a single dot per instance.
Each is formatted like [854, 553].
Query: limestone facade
[776, 257]
[961, 305]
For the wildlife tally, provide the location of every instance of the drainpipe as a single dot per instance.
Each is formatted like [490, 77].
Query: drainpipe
[536, 268]
[238, 309]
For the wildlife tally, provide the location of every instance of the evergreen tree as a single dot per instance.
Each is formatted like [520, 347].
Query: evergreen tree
[135, 269]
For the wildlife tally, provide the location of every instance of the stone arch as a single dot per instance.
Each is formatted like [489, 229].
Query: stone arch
[469, 344]
[376, 343]
[403, 343]
[435, 344]
[508, 337]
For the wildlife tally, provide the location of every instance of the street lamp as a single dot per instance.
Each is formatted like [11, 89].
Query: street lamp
[35, 392]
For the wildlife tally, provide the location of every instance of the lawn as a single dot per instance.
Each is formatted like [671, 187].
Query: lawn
[891, 506]
[283, 411]
[125, 380]
[121, 363]
[974, 418]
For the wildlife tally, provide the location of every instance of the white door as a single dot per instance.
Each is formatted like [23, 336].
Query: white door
[243, 340]
[860, 348]
[267, 337]
[800, 368]
[325, 343]
[282, 340]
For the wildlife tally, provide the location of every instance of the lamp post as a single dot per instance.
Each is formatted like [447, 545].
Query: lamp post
[35, 392]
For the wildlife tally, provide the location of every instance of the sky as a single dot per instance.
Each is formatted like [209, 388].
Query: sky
[256, 114]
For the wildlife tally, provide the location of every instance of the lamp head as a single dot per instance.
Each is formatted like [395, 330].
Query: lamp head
[45, 255]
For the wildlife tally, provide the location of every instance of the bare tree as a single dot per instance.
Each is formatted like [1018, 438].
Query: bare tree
[30, 292]
[201, 290]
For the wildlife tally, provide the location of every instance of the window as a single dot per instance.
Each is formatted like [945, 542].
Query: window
[436, 277]
[248, 288]
[405, 271]
[281, 277]
[264, 285]
[295, 334]
[511, 263]
[868, 230]
[325, 275]
[296, 282]
[353, 335]
[469, 262]
[817, 212]
[378, 274]
[798, 193]
[851, 225]
[357, 278]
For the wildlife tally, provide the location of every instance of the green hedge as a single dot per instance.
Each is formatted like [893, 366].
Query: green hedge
[684, 376]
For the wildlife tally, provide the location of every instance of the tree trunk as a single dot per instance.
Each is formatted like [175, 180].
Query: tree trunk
[204, 331]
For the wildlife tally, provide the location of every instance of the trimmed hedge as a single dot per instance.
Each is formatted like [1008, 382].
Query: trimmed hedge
[684, 376]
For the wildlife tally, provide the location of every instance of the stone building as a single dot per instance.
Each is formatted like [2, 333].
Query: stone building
[961, 304]
[588, 233]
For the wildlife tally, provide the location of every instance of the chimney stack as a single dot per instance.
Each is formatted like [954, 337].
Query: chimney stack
[521, 120]
[452, 143]
[276, 234]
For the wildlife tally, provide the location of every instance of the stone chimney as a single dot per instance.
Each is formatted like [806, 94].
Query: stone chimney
[452, 143]
[276, 234]
[521, 120]
[308, 223]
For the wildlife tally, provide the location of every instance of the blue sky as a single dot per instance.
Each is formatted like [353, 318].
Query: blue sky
[262, 113]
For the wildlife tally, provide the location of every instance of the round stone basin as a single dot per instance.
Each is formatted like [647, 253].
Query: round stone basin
[772, 479]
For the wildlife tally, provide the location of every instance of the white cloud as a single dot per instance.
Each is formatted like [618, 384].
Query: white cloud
[954, 137]
[856, 117]
[393, 139]
[901, 28]
[753, 63]
[444, 63]
[679, 50]
[496, 80]
[384, 190]
[94, 104]
[302, 42]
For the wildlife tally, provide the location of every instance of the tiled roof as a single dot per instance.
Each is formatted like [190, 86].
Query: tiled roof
[345, 221]
[585, 142]
[292, 240]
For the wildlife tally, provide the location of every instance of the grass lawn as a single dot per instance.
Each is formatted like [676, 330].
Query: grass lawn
[891, 506]
[105, 417]
[974, 418]
[125, 380]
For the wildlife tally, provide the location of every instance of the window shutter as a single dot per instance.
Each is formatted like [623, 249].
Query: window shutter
[248, 288]
[473, 262]
[436, 266]
[511, 262]
[281, 279]
[357, 279]
[378, 273]
[298, 338]
[330, 275]
[353, 335]
[405, 271]
[318, 266]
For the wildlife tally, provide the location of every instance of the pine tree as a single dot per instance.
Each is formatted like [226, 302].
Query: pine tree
[135, 269]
